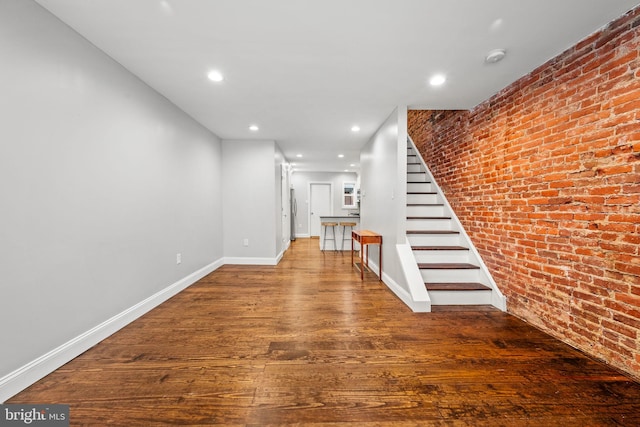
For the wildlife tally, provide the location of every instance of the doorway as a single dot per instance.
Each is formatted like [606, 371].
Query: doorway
[319, 205]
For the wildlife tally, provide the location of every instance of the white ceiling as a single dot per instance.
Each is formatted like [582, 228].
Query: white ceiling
[306, 71]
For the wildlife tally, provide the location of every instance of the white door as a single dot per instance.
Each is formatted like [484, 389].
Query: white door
[320, 205]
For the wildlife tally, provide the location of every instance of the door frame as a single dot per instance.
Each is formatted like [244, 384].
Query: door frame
[285, 206]
[309, 185]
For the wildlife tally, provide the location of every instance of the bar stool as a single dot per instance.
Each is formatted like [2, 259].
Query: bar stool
[346, 236]
[326, 226]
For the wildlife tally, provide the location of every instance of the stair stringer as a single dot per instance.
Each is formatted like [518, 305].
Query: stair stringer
[498, 299]
[418, 298]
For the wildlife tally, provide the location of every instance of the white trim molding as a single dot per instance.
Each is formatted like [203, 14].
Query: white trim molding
[251, 260]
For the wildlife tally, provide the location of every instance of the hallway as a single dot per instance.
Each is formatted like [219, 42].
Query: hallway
[307, 343]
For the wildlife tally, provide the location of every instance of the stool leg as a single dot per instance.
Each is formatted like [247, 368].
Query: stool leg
[333, 234]
[324, 238]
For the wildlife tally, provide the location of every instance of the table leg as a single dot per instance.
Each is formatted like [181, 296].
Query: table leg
[362, 248]
[352, 251]
[380, 246]
[366, 258]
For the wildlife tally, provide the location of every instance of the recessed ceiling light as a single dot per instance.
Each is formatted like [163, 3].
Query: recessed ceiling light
[254, 128]
[298, 155]
[215, 76]
[494, 56]
[352, 165]
[346, 170]
[355, 128]
[437, 80]
[341, 155]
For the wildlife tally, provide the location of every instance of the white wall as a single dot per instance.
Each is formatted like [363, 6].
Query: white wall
[300, 183]
[102, 182]
[251, 201]
[383, 190]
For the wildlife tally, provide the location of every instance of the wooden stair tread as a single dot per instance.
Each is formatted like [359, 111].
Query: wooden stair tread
[468, 286]
[461, 308]
[428, 217]
[439, 248]
[432, 232]
[447, 266]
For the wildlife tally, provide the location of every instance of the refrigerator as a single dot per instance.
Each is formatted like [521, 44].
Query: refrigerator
[292, 214]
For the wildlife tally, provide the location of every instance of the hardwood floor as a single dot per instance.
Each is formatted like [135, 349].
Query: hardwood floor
[307, 343]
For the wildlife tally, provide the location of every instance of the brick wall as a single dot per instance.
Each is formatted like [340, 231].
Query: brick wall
[545, 176]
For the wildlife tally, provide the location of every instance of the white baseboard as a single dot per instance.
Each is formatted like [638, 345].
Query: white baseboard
[33, 371]
[250, 261]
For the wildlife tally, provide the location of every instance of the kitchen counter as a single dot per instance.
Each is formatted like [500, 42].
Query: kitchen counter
[339, 236]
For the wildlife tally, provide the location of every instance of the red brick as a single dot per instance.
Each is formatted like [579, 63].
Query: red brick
[621, 328]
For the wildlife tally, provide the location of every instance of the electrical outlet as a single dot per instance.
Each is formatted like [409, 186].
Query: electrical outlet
[178, 258]
[245, 242]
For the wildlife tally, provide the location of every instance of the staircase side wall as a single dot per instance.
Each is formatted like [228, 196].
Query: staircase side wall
[383, 193]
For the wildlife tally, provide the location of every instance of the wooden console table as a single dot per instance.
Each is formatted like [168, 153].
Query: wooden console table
[366, 237]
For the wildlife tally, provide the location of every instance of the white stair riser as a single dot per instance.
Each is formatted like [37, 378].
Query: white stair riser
[437, 256]
[460, 297]
[451, 276]
[429, 224]
[417, 177]
[414, 168]
[423, 198]
[424, 210]
[436, 211]
[434, 239]
[419, 187]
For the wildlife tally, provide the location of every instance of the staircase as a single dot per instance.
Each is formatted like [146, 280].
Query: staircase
[450, 266]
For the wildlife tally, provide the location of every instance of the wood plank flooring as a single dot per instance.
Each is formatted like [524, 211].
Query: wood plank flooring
[307, 343]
